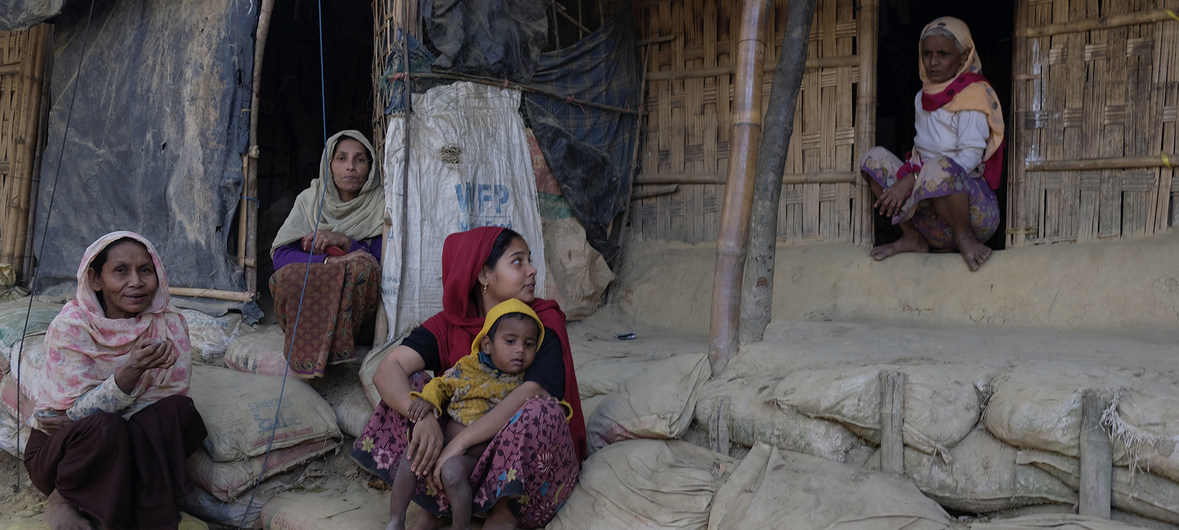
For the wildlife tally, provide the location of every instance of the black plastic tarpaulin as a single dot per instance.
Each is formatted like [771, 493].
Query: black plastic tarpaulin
[153, 139]
[590, 149]
[23, 14]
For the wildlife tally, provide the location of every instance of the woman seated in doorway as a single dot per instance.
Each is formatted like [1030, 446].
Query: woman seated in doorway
[331, 267]
[533, 460]
[942, 196]
[112, 426]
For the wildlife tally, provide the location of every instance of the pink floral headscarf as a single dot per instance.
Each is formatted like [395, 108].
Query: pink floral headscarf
[83, 347]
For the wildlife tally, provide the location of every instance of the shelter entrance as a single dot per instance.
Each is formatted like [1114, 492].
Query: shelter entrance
[901, 22]
[292, 126]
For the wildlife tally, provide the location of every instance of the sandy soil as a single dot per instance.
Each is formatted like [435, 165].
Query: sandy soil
[1101, 310]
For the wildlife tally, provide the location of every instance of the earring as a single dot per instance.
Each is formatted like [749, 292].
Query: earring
[485, 288]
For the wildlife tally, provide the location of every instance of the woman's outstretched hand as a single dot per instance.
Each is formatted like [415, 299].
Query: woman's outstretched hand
[891, 203]
[425, 442]
[317, 242]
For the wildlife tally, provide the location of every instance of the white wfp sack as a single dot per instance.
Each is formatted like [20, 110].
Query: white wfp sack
[210, 336]
[262, 352]
[645, 484]
[468, 167]
[239, 412]
[656, 402]
[941, 408]
[779, 489]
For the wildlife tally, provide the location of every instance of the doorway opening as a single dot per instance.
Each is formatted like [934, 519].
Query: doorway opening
[897, 82]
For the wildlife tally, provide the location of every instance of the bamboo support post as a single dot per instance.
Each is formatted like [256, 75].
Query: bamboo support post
[1096, 456]
[615, 233]
[654, 191]
[892, 421]
[193, 292]
[1163, 160]
[718, 427]
[1016, 209]
[696, 73]
[757, 294]
[1112, 21]
[867, 20]
[738, 199]
[247, 235]
[25, 138]
[826, 177]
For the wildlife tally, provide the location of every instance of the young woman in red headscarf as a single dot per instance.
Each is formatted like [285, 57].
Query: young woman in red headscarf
[942, 196]
[532, 463]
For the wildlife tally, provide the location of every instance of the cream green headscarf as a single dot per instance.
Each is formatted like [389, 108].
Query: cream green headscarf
[359, 218]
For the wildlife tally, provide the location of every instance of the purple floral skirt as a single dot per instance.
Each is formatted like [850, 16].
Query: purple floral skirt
[531, 462]
[937, 178]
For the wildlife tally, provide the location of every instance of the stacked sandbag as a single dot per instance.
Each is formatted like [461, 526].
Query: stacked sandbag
[940, 406]
[18, 320]
[646, 484]
[357, 507]
[239, 411]
[656, 402]
[983, 475]
[771, 488]
[752, 417]
[1141, 493]
[211, 336]
[1052, 522]
[260, 353]
[17, 406]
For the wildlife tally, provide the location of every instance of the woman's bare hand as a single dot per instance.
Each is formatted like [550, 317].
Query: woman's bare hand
[317, 242]
[51, 423]
[144, 356]
[452, 449]
[425, 442]
[891, 203]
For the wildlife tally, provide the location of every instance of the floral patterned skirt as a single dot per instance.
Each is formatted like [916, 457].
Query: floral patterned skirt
[341, 297]
[937, 178]
[531, 461]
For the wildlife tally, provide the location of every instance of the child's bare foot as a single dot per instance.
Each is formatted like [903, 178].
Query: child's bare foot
[973, 252]
[426, 521]
[64, 516]
[904, 244]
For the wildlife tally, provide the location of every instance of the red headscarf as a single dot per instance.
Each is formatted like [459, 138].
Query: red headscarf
[463, 256]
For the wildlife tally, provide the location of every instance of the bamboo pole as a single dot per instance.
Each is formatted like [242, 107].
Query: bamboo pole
[1112, 21]
[1016, 209]
[1164, 160]
[1096, 476]
[247, 238]
[757, 295]
[25, 139]
[194, 292]
[615, 233]
[655, 192]
[811, 64]
[892, 421]
[738, 201]
[824, 177]
[867, 42]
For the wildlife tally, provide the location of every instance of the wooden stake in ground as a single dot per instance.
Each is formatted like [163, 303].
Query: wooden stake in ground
[734, 228]
[1096, 457]
[757, 294]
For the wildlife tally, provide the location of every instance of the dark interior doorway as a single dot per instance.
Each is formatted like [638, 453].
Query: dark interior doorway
[991, 26]
[292, 125]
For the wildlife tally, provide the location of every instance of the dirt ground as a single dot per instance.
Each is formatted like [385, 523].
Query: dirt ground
[1101, 310]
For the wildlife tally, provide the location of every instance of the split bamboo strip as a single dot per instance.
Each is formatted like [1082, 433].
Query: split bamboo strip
[734, 231]
[829, 177]
[811, 64]
[247, 239]
[1078, 26]
[1086, 164]
[233, 296]
[9, 69]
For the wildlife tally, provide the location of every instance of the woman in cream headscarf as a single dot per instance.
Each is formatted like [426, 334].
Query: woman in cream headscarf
[113, 426]
[343, 285]
[942, 196]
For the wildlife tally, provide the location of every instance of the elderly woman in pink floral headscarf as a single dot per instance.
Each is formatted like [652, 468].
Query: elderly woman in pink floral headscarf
[113, 426]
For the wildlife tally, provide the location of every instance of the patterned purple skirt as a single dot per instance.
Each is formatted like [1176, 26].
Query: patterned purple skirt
[937, 178]
[531, 462]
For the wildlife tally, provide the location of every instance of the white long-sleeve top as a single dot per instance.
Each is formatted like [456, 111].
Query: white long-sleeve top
[961, 136]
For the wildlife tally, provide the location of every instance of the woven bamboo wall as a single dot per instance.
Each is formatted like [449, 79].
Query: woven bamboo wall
[22, 69]
[686, 143]
[1096, 102]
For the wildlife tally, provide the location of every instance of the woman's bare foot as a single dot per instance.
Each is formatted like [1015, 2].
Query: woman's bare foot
[906, 243]
[64, 516]
[973, 252]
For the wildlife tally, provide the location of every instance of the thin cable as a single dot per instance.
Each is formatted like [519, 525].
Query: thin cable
[306, 275]
[48, 211]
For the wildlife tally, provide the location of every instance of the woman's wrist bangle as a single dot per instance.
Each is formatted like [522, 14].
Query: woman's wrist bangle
[325, 259]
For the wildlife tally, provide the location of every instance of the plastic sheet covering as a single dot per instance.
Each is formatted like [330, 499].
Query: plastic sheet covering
[590, 149]
[24, 14]
[153, 142]
[494, 38]
[468, 167]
